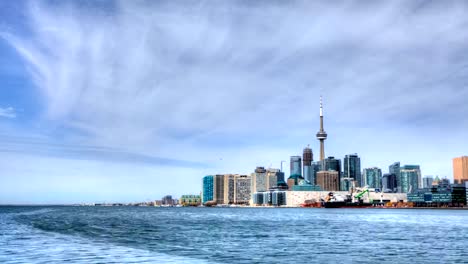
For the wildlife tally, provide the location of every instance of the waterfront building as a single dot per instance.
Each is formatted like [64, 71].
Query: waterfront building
[395, 170]
[321, 135]
[427, 182]
[218, 190]
[389, 183]
[328, 180]
[229, 188]
[409, 180]
[295, 166]
[307, 158]
[257, 198]
[466, 188]
[444, 183]
[242, 189]
[352, 168]
[167, 200]
[373, 177]
[281, 184]
[190, 200]
[269, 198]
[272, 177]
[440, 196]
[295, 172]
[278, 198]
[418, 172]
[347, 184]
[208, 188]
[460, 169]
[259, 180]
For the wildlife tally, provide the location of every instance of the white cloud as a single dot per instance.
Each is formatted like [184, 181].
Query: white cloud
[8, 112]
[153, 73]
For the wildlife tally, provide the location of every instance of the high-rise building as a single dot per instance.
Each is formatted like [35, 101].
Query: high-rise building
[272, 177]
[373, 177]
[167, 200]
[389, 183]
[328, 180]
[409, 180]
[460, 169]
[418, 171]
[331, 164]
[352, 168]
[321, 135]
[395, 170]
[208, 187]
[295, 166]
[259, 181]
[242, 189]
[218, 190]
[307, 158]
[316, 167]
[427, 182]
[229, 188]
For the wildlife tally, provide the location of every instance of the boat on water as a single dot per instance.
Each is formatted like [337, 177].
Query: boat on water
[332, 202]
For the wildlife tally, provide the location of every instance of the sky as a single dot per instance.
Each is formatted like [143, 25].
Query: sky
[126, 101]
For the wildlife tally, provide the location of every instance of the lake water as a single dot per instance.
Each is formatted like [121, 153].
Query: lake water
[231, 235]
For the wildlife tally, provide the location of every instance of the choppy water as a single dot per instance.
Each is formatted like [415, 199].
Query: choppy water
[231, 235]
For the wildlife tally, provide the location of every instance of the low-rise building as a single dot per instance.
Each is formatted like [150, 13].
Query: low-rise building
[190, 200]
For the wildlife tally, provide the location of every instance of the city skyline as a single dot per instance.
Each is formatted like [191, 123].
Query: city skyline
[131, 101]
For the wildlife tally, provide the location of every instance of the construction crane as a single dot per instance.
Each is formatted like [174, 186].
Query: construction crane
[359, 195]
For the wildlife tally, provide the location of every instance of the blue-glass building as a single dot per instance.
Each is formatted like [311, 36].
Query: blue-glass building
[395, 170]
[389, 183]
[296, 166]
[332, 164]
[409, 180]
[208, 188]
[373, 177]
[352, 168]
[307, 158]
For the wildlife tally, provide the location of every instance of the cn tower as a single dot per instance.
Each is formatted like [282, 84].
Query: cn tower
[321, 135]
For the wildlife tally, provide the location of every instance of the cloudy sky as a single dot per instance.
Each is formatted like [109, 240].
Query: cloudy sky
[131, 100]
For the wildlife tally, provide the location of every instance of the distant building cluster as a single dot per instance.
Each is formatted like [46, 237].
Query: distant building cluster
[402, 183]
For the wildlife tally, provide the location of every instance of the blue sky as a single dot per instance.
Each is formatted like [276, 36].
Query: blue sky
[131, 100]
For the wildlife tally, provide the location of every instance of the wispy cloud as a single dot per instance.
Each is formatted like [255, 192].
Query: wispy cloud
[8, 112]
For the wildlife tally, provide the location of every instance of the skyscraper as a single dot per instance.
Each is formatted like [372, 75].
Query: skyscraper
[242, 190]
[373, 177]
[208, 186]
[295, 166]
[418, 173]
[307, 158]
[460, 169]
[389, 183]
[409, 180]
[352, 168]
[321, 135]
[259, 180]
[331, 163]
[218, 190]
[395, 170]
[316, 167]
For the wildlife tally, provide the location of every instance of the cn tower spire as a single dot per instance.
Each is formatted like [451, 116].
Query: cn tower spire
[321, 135]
